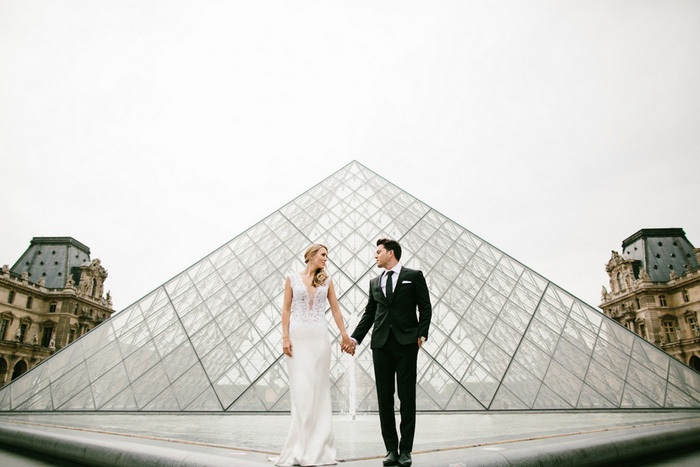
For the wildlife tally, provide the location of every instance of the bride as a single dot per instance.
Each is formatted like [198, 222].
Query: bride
[306, 345]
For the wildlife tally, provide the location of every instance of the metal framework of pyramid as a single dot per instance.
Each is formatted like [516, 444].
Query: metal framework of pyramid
[502, 337]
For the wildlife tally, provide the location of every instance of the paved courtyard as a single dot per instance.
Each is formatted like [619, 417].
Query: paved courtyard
[441, 439]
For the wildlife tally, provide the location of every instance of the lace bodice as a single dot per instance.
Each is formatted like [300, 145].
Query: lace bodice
[308, 308]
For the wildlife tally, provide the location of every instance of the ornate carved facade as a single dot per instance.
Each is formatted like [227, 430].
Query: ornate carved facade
[50, 297]
[655, 291]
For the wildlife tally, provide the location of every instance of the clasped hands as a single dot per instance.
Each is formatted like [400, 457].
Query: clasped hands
[348, 345]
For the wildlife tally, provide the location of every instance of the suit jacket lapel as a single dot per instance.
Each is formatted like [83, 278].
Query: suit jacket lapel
[399, 279]
[377, 285]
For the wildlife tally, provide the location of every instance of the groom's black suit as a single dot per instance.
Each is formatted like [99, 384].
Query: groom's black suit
[395, 349]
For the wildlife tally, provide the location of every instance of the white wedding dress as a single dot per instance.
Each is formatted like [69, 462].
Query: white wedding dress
[310, 440]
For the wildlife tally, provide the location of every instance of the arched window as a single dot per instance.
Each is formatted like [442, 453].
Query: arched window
[3, 370]
[93, 287]
[620, 282]
[20, 368]
[694, 362]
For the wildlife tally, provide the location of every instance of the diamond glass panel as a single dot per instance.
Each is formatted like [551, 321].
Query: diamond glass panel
[506, 400]
[519, 380]
[39, 401]
[563, 383]
[590, 399]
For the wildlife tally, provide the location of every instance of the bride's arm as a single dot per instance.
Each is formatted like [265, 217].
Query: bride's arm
[286, 312]
[337, 315]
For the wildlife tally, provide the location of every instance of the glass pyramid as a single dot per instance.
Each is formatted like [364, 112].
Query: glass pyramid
[502, 336]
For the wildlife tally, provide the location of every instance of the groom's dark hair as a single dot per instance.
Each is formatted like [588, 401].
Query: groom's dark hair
[391, 245]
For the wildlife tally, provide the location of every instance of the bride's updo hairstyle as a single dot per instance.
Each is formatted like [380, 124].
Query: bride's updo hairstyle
[320, 275]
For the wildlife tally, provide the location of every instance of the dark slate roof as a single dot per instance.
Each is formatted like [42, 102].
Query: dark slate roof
[661, 251]
[53, 259]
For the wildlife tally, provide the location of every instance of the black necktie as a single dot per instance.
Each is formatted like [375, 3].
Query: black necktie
[389, 286]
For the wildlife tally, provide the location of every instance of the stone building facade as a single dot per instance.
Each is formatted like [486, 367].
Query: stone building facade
[51, 296]
[655, 291]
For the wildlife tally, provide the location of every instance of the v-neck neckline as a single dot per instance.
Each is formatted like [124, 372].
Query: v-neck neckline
[309, 294]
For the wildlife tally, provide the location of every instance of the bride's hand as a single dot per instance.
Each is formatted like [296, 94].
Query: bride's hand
[287, 346]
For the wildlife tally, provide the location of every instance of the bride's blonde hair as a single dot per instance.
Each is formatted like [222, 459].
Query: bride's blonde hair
[320, 275]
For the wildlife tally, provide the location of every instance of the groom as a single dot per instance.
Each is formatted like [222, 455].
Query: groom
[396, 338]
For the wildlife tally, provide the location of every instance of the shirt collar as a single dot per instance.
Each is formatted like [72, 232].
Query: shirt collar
[396, 269]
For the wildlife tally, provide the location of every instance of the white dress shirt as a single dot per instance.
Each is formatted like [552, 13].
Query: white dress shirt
[394, 279]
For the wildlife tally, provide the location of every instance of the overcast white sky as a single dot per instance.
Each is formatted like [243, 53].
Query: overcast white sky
[155, 131]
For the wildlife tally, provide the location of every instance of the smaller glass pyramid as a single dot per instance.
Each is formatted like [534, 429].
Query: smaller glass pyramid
[502, 336]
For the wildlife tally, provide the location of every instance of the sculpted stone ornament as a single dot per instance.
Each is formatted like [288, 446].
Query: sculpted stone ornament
[617, 260]
[92, 279]
[70, 283]
[52, 343]
[25, 276]
[604, 295]
[35, 340]
[18, 334]
[644, 275]
[5, 269]
[672, 275]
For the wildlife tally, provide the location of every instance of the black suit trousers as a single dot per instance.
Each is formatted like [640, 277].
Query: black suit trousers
[395, 362]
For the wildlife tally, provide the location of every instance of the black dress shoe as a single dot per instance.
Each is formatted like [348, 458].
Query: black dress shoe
[405, 459]
[392, 458]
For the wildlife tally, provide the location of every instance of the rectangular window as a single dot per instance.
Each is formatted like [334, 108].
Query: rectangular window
[662, 300]
[46, 336]
[3, 328]
[71, 338]
[643, 331]
[686, 297]
[11, 296]
[29, 302]
[23, 328]
[670, 331]
[694, 330]
[52, 307]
